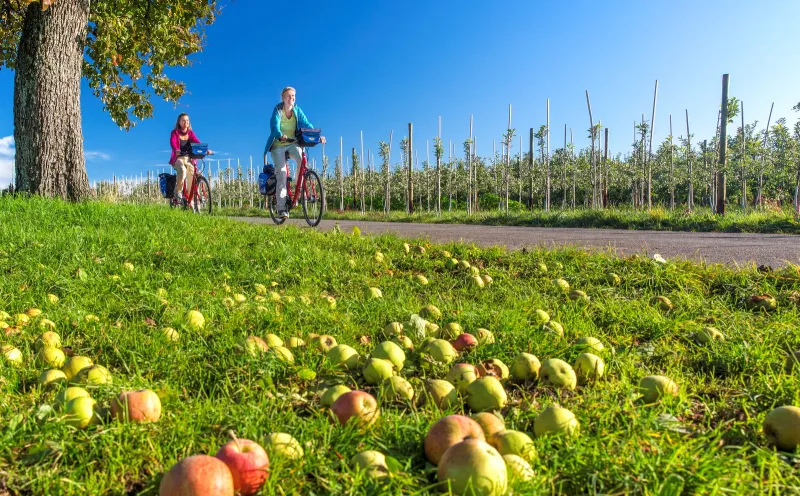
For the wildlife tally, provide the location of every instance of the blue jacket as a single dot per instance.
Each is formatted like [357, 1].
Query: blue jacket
[275, 124]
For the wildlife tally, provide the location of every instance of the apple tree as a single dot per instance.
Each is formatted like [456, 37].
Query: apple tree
[123, 49]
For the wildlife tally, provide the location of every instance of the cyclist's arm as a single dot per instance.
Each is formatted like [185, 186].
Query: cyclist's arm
[302, 120]
[175, 143]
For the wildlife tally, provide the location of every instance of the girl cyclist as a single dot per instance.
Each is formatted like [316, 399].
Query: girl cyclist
[286, 119]
[180, 140]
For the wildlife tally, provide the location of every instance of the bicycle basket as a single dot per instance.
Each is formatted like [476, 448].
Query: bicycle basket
[166, 183]
[308, 137]
[199, 150]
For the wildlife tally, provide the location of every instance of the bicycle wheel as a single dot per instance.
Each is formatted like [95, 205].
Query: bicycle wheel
[202, 200]
[272, 205]
[313, 198]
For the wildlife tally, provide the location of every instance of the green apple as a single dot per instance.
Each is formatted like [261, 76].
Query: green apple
[612, 279]
[708, 334]
[461, 375]
[430, 312]
[662, 302]
[558, 373]
[443, 394]
[378, 257]
[283, 354]
[94, 375]
[484, 336]
[372, 293]
[51, 357]
[373, 463]
[195, 320]
[464, 265]
[541, 317]
[52, 378]
[331, 301]
[451, 263]
[11, 355]
[52, 299]
[75, 364]
[518, 468]
[295, 342]
[239, 298]
[68, 394]
[343, 356]
[489, 422]
[4, 315]
[590, 344]
[330, 394]
[577, 295]
[487, 280]
[48, 339]
[272, 340]
[554, 327]
[260, 289]
[477, 281]
[450, 331]
[486, 393]
[421, 280]
[556, 420]
[525, 367]
[377, 370]
[654, 387]
[425, 342]
[390, 351]
[763, 302]
[441, 351]
[447, 432]
[510, 442]
[255, 346]
[407, 248]
[325, 342]
[494, 368]
[80, 412]
[396, 389]
[171, 334]
[473, 467]
[542, 267]
[283, 445]
[404, 342]
[392, 329]
[589, 366]
[782, 427]
[561, 284]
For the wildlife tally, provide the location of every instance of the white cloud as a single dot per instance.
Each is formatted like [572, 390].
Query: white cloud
[7, 153]
[96, 155]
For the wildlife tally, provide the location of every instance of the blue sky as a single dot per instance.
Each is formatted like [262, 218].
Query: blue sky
[376, 66]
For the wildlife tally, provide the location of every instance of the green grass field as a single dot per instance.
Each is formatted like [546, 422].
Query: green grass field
[707, 440]
[656, 219]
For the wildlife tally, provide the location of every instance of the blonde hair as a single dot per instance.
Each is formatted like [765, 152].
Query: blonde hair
[288, 88]
[178, 123]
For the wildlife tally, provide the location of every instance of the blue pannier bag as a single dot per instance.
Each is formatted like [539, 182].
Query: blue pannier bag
[166, 183]
[266, 180]
[308, 137]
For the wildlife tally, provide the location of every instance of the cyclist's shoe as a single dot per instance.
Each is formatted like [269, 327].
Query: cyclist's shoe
[283, 214]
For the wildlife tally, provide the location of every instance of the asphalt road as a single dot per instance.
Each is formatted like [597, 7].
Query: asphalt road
[729, 248]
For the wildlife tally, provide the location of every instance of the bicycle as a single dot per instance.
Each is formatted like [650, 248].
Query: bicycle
[309, 184]
[199, 197]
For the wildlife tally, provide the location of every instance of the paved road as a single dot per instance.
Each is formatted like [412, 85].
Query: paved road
[729, 248]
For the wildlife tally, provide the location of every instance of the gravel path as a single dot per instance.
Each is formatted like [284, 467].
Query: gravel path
[729, 248]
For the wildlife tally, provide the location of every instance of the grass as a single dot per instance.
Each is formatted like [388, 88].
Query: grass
[708, 440]
[656, 219]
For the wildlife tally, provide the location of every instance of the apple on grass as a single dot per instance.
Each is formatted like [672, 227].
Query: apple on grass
[590, 344]
[255, 346]
[75, 364]
[376, 370]
[283, 445]
[272, 340]
[484, 336]
[332, 393]
[94, 375]
[430, 312]
[448, 431]
[51, 357]
[248, 463]
[325, 342]
[589, 366]
[556, 420]
[284, 354]
[441, 351]
[295, 342]
[373, 463]
[493, 368]
[198, 475]
[518, 468]
[558, 373]
[461, 375]
[80, 412]
[450, 331]
[473, 467]
[443, 394]
[392, 329]
[12, 355]
[654, 387]
[489, 422]
[511, 442]
[356, 407]
[195, 320]
[68, 394]
[486, 394]
[49, 339]
[465, 342]
[525, 367]
[142, 405]
[782, 427]
[343, 356]
[390, 351]
[52, 378]
[396, 389]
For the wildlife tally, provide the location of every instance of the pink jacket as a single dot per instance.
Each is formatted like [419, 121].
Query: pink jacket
[175, 144]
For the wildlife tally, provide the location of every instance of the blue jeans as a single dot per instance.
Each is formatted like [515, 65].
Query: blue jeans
[282, 168]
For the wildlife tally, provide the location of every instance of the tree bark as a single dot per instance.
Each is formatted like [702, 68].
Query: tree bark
[47, 108]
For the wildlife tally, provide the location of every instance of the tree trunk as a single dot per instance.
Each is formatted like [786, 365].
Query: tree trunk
[47, 109]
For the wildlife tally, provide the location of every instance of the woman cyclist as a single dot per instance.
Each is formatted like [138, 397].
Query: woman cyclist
[286, 119]
[180, 140]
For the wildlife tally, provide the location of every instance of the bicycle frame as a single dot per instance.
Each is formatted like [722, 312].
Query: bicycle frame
[301, 179]
[198, 172]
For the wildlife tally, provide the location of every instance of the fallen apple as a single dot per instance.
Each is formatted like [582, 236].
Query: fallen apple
[390, 351]
[541, 317]
[295, 342]
[465, 342]
[577, 295]
[489, 422]
[782, 427]
[80, 412]
[272, 340]
[197, 475]
[558, 373]
[484, 336]
[52, 378]
[48, 339]
[142, 405]
[589, 366]
[12, 355]
[392, 329]
[556, 420]
[487, 280]
[421, 280]
[75, 364]
[283, 445]
[404, 342]
[493, 368]
[486, 393]
[554, 327]
[461, 375]
[612, 279]
[662, 302]
[449, 431]
[443, 394]
[518, 468]
[762, 302]
[654, 387]
[68, 394]
[248, 463]
[376, 370]
[94, 375]
[171, 334]
[332, 393]
[511, 442]
[47, 324]
[356, 407]
[283, 354]
[473, 467]
[195, 320]
[325, 342]
[525, 367]
[561, 284]
[708, 334]
[51, 357]
[372, 293]
[343, 356]
[441, 351]
[255, 346]
[590, 344]
[477, 281]
[373, 463]
[396, 389]
[430, 312]
[450, 331]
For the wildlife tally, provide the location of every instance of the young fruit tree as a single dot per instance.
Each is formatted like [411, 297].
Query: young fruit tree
[122, 48]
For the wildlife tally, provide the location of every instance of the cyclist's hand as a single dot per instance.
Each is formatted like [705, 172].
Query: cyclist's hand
[283, 137]
[210, 152]
[322, 139]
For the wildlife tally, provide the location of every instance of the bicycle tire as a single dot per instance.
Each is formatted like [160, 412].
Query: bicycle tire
[313, 198]
[202, 200]
[271, 203]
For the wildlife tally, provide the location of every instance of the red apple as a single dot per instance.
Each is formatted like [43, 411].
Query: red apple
[357, 405]
[136, 406]
[248, 462]
[464, 341]
[448, 431]
[198, 475]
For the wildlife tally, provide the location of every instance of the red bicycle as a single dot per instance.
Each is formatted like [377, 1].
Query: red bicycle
[199, 195]
[308, 192]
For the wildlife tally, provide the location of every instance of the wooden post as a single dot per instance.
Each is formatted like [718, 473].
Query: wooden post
[410, 168]
[604, 188]
[723, 146]
[690, 199]
[530, 167]
[439, 171]
[671, 169]
[564, 170]
[763, 154]
[591, 159]
[650, 151]
[744, 164]
[547, 162]
[508, 155]
[354, 175]
[341, 173]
